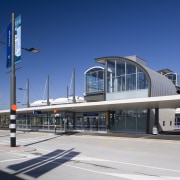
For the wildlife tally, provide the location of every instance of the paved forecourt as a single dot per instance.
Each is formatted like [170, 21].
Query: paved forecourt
[49, 156]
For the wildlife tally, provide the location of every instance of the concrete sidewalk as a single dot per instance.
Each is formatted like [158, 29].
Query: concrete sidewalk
[171, 135]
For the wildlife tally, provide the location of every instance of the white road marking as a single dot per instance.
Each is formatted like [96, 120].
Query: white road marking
[17, 159]
[128, 176]
[30, 139]
[84, 158]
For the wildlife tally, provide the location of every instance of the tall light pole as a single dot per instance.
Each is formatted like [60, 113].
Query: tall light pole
[27, 89]
[13, 89]
[13, 86]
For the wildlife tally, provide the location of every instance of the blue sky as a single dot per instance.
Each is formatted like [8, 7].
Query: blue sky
[71, 33]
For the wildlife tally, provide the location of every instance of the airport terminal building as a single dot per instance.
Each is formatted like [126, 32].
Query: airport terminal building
[121, 95]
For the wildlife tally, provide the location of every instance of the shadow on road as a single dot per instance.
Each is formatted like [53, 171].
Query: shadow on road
[39, 166]
[5, 175]
[41, 141]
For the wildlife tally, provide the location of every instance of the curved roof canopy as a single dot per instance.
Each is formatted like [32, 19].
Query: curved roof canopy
[136, 103]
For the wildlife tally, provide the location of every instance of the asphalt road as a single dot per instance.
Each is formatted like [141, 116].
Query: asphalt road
[86, 157]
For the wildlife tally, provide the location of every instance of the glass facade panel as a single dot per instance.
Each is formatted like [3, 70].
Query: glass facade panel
[4, 121]
[172, 77]
[177, 121]
[131, 121]
[120, 68]
[111, 76]
[178, 80]
[59, 121]
[100, 80]
[175, 78]
[69, 120]
[120, 121]
[111, 85]
[90, 121]
[79, 121]
[93, 121]
[121, 83]
[95, 80]
[111, 68]
[23, 121]
[142, 82]
[141, 120]
[130, 82]
[123, 76]
[128, 121]
[102, 121]
[130, 69]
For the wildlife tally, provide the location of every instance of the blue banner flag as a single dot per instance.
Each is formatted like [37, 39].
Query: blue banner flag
[18, 39]
[9, 34]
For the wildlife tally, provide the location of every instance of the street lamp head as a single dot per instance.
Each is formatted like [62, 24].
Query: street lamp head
[21, 89]
[31, 50]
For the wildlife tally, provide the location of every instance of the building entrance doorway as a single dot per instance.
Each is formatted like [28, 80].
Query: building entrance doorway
[90, 122]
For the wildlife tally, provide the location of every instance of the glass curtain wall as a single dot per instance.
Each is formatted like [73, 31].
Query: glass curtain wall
[95, 80]
[69, 120]
[23, 121]
[59, 119]
[95, 121]
[128, 121]
[131, 77]
[79, 121]
[142, 82]
[46, 121]
[4, 121]
[111, 72]
[120, 75]
[124, 76]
